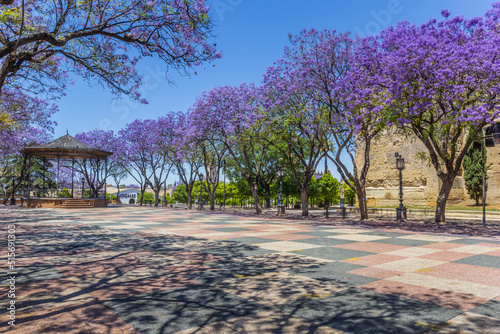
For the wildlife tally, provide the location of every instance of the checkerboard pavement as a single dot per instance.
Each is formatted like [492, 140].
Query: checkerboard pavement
[152, 270]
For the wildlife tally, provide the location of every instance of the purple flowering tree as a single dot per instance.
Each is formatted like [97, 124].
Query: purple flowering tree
[146, 152]
[234, 117]
[316, 65]
[188, 159]
[300, 126]
[96, 171]
[24, 121]
[438, 82]
[42, 41]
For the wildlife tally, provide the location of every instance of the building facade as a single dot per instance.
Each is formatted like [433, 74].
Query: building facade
[420, 182]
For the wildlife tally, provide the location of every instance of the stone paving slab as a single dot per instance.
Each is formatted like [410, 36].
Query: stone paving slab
[155, 270]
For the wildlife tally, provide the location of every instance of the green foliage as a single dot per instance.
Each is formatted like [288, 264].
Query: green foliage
[473, 173]
[148, 198]
[179, 195]
[65, 193]
[328, 187]
[169, 199]
[349, 195]
[111, 197]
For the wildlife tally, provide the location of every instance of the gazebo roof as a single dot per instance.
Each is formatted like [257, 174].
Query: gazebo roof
[66, 147]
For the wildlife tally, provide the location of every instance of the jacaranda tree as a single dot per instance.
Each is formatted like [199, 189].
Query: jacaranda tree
[187, 158]
[234, 115]
[96, 171]
[41, 41]
[438, 82]
[300, 127]
[318, 63]
[102, 41]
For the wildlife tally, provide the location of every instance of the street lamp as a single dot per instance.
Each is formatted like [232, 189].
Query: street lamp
[281, 207]
[400, 210]
[83, 184]
[224, 196]
[200, 204]
[488, 140]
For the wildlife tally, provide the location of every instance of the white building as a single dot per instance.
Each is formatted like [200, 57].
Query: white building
[128, 196]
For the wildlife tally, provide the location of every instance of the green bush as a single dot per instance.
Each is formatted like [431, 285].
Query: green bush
[148, 198]
[111, 197]
[65, 193]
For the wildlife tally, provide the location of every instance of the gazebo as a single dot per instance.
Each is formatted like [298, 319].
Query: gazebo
[63, 148]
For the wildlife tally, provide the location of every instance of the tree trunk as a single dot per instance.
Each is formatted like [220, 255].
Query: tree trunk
[157, 196]
[212, 201]
[189, 192]
[444, 192]
[305, 206]
[267, 188]
[142, 196]
[256, 200]
[363, 209]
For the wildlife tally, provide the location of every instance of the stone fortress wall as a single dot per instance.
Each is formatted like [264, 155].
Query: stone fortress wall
[420, 183]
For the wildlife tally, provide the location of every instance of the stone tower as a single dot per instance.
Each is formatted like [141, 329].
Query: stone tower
[420, 183]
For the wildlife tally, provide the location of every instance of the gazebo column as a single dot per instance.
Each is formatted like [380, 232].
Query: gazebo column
[105, 174]
[72, 176]
[29, 176]
[57, 179]
[44, 175]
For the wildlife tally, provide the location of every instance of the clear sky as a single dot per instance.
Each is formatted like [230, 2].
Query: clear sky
[251, 35]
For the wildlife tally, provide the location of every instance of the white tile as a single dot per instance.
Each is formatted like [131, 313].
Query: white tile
[472, 249]
[357, 237]
[428, 281]
[286, 246]
[409, 265]
[427, 237]
[413, 251]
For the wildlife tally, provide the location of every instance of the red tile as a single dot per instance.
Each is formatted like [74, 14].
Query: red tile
[466, 272]
[373, 260]
[89, 318]
[140, 286]
[21, 250]
[38, 289]
[375, 272]
[31, 261]
[493, 253]
[444, 298]
[109, 269]
[194, 256]
[488, 244]
[446, 256]
[443, 245]
[373, 247]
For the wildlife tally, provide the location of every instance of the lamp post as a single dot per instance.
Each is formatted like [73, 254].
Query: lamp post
[400, 210]
[281, 207]
[224, 196]
[12, 199]
[200, 204]
[83, 185]
[488, 140]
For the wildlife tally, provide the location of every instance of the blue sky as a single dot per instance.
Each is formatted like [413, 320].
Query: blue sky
[251, 34]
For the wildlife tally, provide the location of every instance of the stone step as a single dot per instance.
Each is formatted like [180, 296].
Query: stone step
[76, 204]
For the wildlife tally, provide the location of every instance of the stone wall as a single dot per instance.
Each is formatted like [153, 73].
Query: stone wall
[420, 183]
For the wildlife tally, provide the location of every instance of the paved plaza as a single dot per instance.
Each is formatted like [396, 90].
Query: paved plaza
[156, 270]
